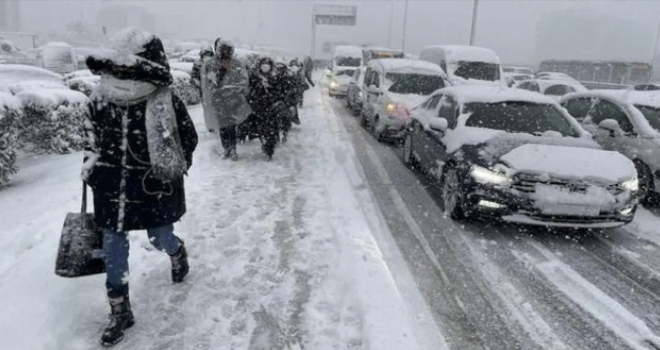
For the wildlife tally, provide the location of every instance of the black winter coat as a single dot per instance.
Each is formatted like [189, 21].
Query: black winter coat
[126, 196]
[287, 89]
[263, 94]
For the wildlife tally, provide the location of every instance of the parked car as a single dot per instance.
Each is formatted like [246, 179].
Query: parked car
[514, 75]
[647, 87]
[393, 87]
[59, 57]
[338, 80]
[554, 76]
[466, 65]
[356, 91]
[517, 156]
[626, 122]
[553, 88]
[346, 56]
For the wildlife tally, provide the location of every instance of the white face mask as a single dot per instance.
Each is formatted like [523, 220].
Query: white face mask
[265, 68]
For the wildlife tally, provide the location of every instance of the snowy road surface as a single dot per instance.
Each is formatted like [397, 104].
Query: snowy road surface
[511, 287]
[289, 254]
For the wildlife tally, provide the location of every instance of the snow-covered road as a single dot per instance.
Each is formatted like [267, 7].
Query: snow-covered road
[285, 254]
[495, 286]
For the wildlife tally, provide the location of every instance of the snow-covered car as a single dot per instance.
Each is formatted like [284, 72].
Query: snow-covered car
[11, 54]
[338, 80]
[59, 57]
[518, 70]
[553, 76]
[647, 87]
[182, 66]
[191, 56]
[17, 73]
[393, 87]
[518, 156]
[627, 122]
[355, 92]
[552, 88]
[466, 65]
[512, 80]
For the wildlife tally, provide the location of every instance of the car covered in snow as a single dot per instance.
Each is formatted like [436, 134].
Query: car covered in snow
[553, 76]
[346, 56]
[59, 57]
[338, 80]
[513, 75]
[355, 92]
[552, 88]
[518, 156]
[466, 65]
[625, 121]
[393, 87]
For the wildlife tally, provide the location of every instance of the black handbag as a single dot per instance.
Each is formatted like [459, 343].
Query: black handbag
[81, 245]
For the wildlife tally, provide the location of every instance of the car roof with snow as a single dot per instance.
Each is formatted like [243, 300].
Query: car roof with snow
[15, 73]
[468, 53]
[376, 48]
[546, 83]
[405, 65]
[645, 98]
[493, 94]
[348, 51]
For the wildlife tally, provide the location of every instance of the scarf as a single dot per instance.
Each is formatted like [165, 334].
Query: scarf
[168, 161]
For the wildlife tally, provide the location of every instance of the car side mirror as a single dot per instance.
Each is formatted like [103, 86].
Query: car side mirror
[438, 124]
[611, 126]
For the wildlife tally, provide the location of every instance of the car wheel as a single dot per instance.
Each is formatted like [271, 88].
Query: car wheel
[375, 131]
[408, 155]
[452, 194]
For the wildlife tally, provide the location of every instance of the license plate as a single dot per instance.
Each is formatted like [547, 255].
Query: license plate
[570, 209]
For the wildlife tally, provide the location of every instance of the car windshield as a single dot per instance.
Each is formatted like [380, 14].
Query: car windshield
[652, 115]
[519, 117]
[344, 72]
[478, 71]
[418, 84]
[342, 61]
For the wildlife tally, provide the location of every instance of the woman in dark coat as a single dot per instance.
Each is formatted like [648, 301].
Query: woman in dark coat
[140, 142]
[263, 97]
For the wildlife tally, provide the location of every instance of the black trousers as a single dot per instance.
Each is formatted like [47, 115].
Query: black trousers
[228, 137]
[270, 132]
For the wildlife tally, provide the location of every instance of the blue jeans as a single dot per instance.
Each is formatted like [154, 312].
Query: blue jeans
[116, 247]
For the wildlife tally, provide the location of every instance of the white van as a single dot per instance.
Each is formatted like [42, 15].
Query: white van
[59, 58]
[466, 64]
[346, 56]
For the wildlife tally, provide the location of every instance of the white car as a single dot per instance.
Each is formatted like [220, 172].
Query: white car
[554, 76]
[466, 65]
[393, 88]
[338, 80]
[552, 88]
[518, 156]
[627, 122]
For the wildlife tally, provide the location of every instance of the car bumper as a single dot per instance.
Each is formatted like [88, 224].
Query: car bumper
[518, 207]
[393, 127]
[340, 90]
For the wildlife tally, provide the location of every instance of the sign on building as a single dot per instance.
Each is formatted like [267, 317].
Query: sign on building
[337, 15]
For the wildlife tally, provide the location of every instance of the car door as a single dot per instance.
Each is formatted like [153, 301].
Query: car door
[352, 87]
[626, 143]
[422, 115]
[437, 151]
[373, 95]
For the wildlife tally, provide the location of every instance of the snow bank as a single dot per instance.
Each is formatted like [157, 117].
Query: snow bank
[10, 115]
[18, 73]
[184, 88]
[182, 66]
[571, 163]
[85, 85]
[35, 85]
[53, 120]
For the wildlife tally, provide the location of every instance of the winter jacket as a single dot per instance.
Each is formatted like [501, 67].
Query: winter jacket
[287, 89]
[127, 196]
[263, 93]
[224, 94]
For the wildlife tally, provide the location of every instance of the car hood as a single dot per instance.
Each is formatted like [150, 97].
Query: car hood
[409, 100]
[566, 162]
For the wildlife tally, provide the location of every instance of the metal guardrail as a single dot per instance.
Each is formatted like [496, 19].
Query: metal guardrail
[592, 85]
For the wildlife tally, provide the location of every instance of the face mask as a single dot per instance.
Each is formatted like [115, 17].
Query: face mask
[265, 68]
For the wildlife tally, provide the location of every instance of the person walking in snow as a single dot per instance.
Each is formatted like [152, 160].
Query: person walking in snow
[263, 97]
[297, 70]
[139, 145]
[205, 53]
[224, 89]
[286, 87]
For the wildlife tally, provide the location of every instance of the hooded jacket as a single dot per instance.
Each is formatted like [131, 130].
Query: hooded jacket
[118, 167]
[224, 92]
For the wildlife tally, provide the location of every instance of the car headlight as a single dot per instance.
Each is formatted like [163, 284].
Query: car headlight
[390, 108]
[359, 94]
[631, 185]
[487, 176]
[333, 84]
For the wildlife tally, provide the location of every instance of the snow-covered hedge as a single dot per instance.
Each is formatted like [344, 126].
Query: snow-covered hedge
[78, 74]
[83, 84]
[53, 120]
[184, 88]
[10, 117]
[182, 66]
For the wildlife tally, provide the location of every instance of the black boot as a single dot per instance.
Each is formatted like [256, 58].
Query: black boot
[121, 319]
[180, 265]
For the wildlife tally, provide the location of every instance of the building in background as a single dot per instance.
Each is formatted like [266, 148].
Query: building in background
[115, 15]
[10, 16]
[588, 36]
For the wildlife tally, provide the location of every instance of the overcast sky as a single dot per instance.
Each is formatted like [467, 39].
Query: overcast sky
[507, 26]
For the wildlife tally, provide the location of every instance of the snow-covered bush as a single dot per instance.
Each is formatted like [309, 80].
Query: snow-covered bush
[16, 88]
[184, 88]
[10, 117]
[182, 66]
[83, 84]
[78, 74]
[53, 120]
